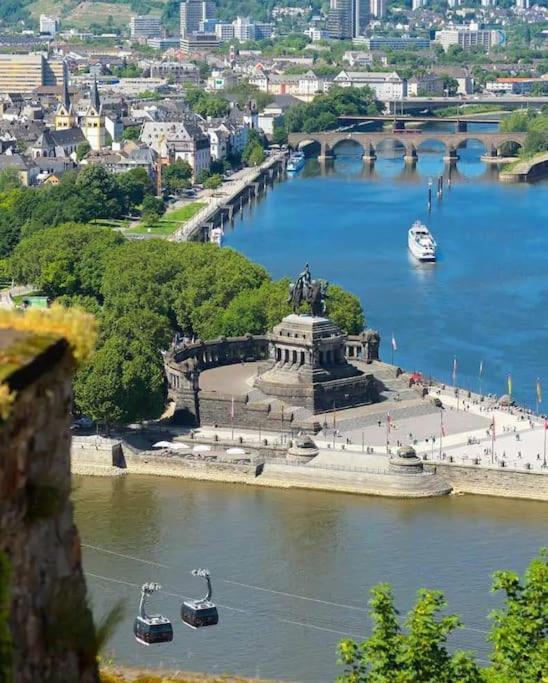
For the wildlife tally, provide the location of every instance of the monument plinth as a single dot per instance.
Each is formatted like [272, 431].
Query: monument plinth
[308, 366]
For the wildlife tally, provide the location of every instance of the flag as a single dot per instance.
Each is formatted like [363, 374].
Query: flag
[545, 424]
[442, 427]
[232, 408]
[388, 421]
[510, 384]
[539, 391]
[394, 345]
[481, 368]
[454, 369]
[493, 428]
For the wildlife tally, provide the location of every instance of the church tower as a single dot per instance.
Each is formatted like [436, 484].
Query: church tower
[65, 116]
[94, 121]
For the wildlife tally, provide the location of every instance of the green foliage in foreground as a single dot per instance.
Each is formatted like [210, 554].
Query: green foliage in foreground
[418, 653]
[536, 127]
[143, 293]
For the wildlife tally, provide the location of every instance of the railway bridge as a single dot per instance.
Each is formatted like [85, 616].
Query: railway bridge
[409, 142]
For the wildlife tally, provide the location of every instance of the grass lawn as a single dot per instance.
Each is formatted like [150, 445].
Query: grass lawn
[170, 221]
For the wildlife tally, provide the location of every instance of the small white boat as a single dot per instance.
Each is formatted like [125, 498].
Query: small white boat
[216, 236]
[421, 243]
[296, 162]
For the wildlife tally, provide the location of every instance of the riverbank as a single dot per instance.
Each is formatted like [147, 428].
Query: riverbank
[527, 169]
[116, 674]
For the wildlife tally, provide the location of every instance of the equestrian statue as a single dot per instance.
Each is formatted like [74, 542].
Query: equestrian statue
[309, 291]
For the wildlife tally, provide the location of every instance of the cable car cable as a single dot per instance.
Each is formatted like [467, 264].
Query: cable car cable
[250, 586]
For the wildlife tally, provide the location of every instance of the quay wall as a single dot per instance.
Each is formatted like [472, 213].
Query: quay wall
[499, 482]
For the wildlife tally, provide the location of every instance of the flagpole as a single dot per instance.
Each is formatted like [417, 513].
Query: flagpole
[334, 424]
[544, 458]
[493, 440]
[480, 377]
[441, 431]
[232, 417]
[387, 431]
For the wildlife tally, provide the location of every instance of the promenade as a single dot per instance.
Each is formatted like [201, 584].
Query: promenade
[216, 199]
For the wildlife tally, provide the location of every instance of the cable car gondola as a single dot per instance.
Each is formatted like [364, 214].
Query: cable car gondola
[154, 628]
[202, 612]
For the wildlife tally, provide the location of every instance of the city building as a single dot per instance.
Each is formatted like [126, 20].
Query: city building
[178, 140]
[199, 42]
[416, 5]
[488, 3]
[65, 116]
[421, 86]
[513, 86]
[523, 4]
[49, 25]
[357, 58]
[386, 86]
[244, 29]
[396, 43]
[347, 18]
[23, 73]
[192, 12]
[164, 43]
[224, 32]
[145, 26]
[180, 72]
[94, 128]
[469, 36]
[263, 30]
[378, 9]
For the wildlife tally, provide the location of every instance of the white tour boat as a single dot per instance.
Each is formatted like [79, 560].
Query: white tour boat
[421, 243]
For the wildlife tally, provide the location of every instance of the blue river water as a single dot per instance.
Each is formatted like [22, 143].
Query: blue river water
[485, 300]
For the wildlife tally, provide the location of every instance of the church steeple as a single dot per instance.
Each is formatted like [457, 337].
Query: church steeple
[94, 100]
[65, 116]
[94, 120]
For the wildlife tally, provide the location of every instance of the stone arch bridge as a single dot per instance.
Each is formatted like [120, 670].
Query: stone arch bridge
[410, 141]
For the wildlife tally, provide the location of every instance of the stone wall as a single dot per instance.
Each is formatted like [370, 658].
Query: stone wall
[50, 623]
[495, 482]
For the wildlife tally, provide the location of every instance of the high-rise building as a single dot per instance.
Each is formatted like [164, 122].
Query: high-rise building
[49, 25]
[192, 13]
[360, 17]
[145, 26]
[467, 38]
[378, 9]
[488, 3]
[523, 4]
[347, 18]
[417, 4]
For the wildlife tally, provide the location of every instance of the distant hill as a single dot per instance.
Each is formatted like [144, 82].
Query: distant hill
[116, 13]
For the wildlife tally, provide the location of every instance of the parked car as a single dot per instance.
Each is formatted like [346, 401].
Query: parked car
[83, 422]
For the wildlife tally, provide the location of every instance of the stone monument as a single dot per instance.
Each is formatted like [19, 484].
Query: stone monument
[308, 365]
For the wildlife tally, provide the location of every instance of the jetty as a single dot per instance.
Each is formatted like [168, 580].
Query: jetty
[227, 203]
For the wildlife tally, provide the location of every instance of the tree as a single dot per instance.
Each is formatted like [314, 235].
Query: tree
[152, 209]
[213, 182]
[102, 190]
[135, 185]
[279, 135]
[122, 383]
[202, 176]
[345, 309]
[9, 180]
[519, 634]
[82, 150]
[131, 133]
[391, 655]
[65, 260]
[255, 157]
[176, 176]
[535, 142]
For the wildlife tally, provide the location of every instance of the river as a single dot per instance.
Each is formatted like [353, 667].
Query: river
[486, 300]
[311, 556]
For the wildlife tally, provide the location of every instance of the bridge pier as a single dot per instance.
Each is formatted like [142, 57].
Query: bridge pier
[411, 155]
[326, 154]
[462, 127]
[399, 124]
[451, 156]
[369, 154]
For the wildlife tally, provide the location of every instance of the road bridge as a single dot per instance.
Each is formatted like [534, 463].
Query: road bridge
[431, 103]
[409, 142]
[399, 122]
